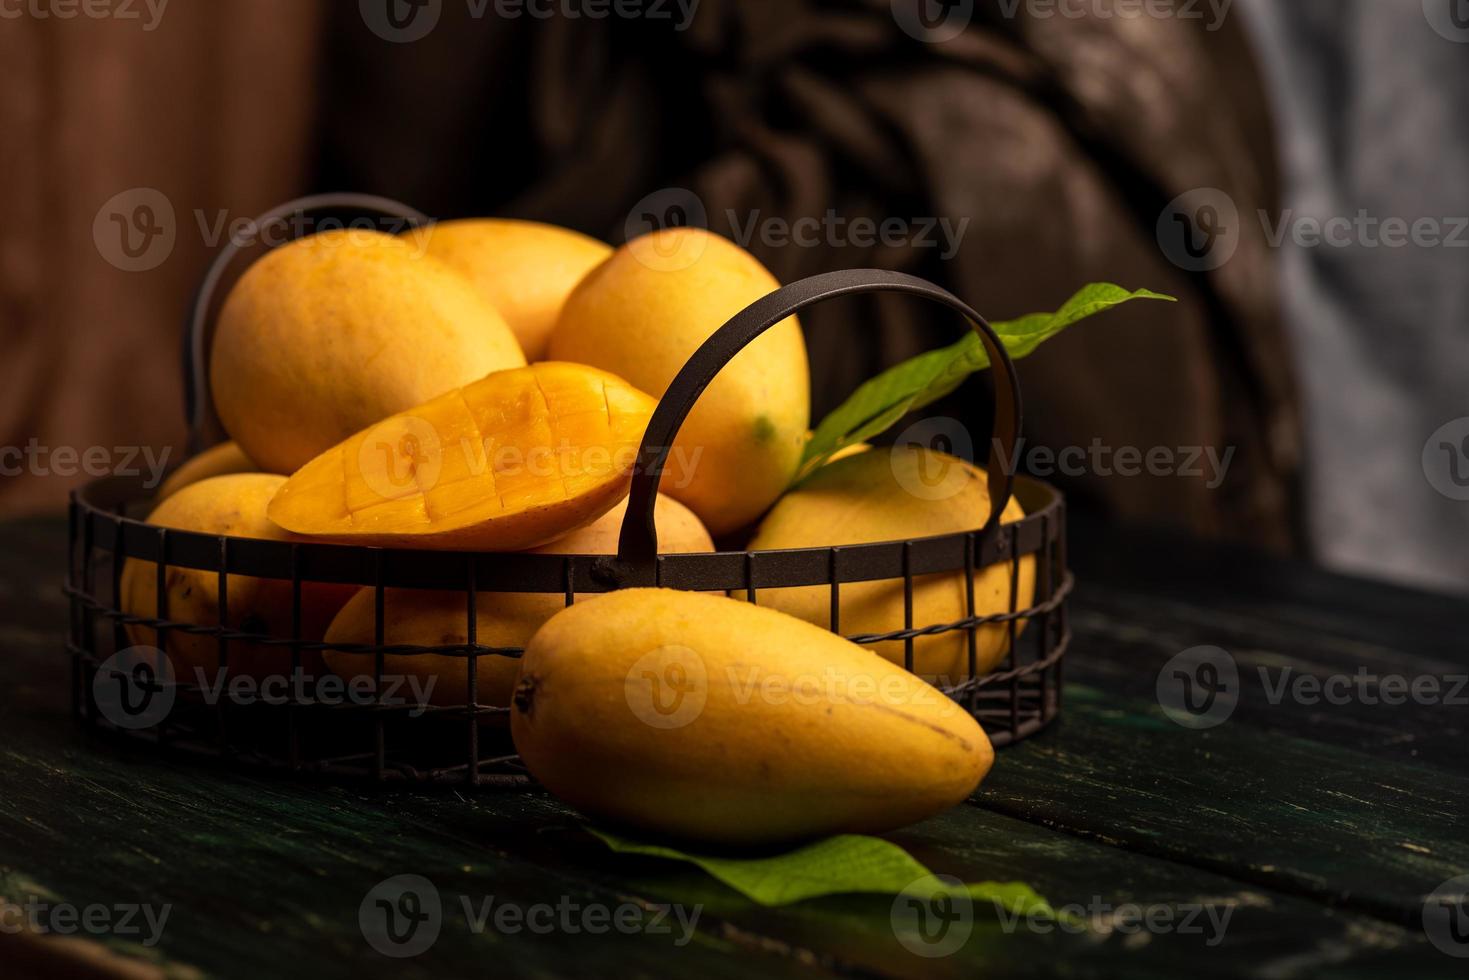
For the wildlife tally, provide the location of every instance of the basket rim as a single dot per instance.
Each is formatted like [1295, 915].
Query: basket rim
[99, 521]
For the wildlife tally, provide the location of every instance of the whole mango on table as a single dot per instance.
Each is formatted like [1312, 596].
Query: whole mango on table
[713, 720]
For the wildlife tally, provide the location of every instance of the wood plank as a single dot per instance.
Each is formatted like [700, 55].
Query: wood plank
[269, 876]
[1317, 846]
[1354, 804]
[1286, 812]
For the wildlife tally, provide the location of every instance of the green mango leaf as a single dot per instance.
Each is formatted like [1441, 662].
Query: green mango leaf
[881, 401]
[842, 865]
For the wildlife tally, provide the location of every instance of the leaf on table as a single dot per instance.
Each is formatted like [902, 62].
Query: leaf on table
[881, 401]
[843, 865]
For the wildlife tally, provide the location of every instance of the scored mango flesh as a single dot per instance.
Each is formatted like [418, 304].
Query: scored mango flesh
[509, 462]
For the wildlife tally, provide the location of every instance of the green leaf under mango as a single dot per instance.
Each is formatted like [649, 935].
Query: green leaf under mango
[843, 865]
[881, 401]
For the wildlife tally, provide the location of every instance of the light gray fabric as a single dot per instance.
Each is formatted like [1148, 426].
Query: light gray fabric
[1370, 103]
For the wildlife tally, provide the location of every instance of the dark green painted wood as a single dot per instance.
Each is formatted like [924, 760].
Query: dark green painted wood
[1317, 835]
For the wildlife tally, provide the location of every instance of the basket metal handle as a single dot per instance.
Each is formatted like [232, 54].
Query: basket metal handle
[204, 428]
[637, 550]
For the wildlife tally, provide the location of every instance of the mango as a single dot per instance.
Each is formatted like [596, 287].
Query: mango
[524, 269]
[227, 457]
[644, 311]
[514, 460]
[429, 618]
[233, 504]
[329, 333]
[432, 618]
[894, 495]
[712, 720]
[679, 532]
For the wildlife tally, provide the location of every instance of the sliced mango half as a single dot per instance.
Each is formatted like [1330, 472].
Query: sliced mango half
[509, 462]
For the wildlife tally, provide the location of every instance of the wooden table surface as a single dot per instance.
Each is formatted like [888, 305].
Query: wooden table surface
[1317, 828]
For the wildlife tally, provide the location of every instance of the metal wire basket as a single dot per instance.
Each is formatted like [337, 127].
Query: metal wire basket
[130, 690]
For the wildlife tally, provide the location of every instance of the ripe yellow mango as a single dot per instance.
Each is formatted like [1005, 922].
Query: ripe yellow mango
[227, 457]
[428, 618]
[514, 460]
[327, 334]
[233, 504]
[894, 495]
[717, 721]
[644, 311]
[524, 269]
[679, 532]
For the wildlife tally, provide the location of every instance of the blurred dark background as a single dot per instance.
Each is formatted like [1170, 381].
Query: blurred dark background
[1310, 392]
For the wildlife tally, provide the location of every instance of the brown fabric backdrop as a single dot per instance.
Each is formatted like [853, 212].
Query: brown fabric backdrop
[1061, 140]
[213, 109]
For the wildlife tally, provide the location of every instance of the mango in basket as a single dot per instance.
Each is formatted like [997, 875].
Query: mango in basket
[894, 495]
[233, 504]
[713, 720]
[227, 457]
[329, 333]
[644, 311]
[428, 618]
[514, 460]
[524, 269]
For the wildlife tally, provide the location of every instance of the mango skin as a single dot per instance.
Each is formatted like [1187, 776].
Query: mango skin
[866, 497]
[679, 532]
[233, 504]
[644, 311]
[506, 619]
[775, 731]
[329, 333]
[516, 459]
[225, 458]
[524, 269]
